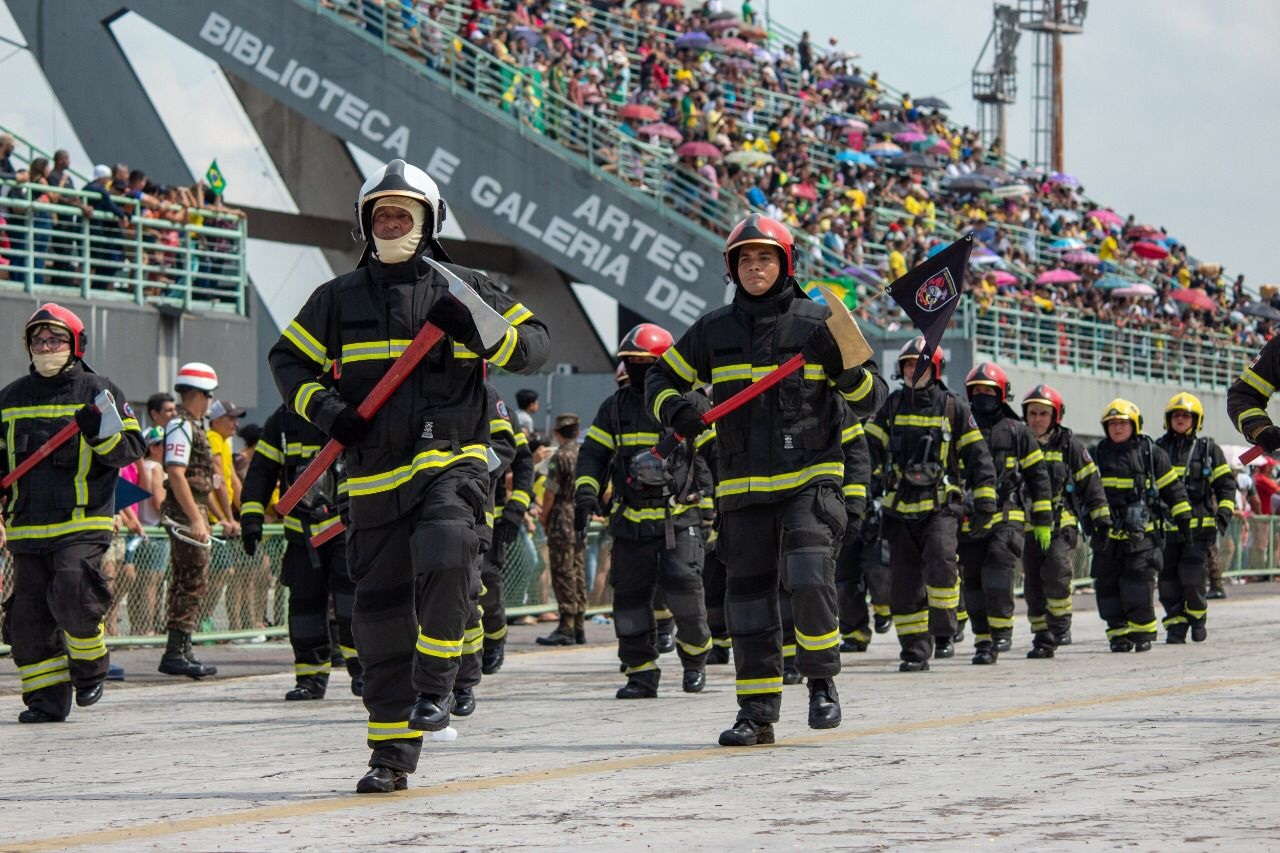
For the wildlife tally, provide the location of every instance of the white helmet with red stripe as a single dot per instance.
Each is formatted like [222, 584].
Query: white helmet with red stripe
[197, 375]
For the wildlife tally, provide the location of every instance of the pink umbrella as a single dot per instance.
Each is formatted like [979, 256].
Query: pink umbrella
[805, 191]
[1058, 276]
[939, 147]
[1000, 278]
[660, 130]
[1088, 259]
[1195, 299]
[1142, 291]
[885, 146]
[1151, 251]
[722, 25]
[699, 149]
[639, 112]
[909, 137]
[733, 45]
[1107, 217]
[855, 125]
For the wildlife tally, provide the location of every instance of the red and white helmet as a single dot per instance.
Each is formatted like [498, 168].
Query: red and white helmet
[986, 373]
[758, 229]
[197, 375]
[647, 339]
[1045, 395]
[53, 314]
[914, 348]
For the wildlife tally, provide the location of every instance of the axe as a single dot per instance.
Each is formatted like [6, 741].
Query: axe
[491, 328]
[1251, 454]
[854, 350]
[111, 424]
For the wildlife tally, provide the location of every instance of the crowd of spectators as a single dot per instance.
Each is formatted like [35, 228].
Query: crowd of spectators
[40, 246]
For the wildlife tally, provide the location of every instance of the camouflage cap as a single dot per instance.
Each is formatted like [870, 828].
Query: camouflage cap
[567, 419]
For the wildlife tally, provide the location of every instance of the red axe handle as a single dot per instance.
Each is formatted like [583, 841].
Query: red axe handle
[737, 401]
[43, 452]
[333, 531]
[428, 336]
[1251, 454]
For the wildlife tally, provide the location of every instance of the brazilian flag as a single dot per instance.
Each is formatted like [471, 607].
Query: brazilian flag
[213, 177]
[842, 286]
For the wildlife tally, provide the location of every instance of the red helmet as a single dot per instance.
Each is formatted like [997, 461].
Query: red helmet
[53, 314]
[914, 348]
[647, 339]
[1045, 395]
[758, 229]
[986, 373]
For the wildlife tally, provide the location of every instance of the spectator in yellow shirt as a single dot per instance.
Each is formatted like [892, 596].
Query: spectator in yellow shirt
[897, 261]
[1109, 251]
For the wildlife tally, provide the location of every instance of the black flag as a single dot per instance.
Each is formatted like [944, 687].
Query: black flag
[930, 292]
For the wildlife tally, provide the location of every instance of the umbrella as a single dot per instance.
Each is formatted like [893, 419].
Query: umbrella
[855, 125]
[1261, 309]
[823, 85]
[940, 147]
[888, 105]
[909, 136]
[1063, 179]
[1000, 278]
[884, 149]
[1029, 174]
[1058, 276]
[723, 14]
[699, 149]
[968, 183]
[733, 45]
[695, 40]
[1011, 191]
[639, 112]
[984, 257]
[865, 274]
[932, 103]
[1107, 217]
[1195, 298]
[1066, 244]
[805, 191]
[748, 158]
[1144, 291]
[753, 34]
[1089, 259]
[1111, 282]
[722, 25]
[738, 63]
[836, 120]
[918, 160]
[1143, 232]
[660, 130]
[852, 80]
[889, 128]
[857, 157]
[1151, 251]
[992, 172]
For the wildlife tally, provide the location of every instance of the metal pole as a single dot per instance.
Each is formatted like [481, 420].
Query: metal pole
[1057, 87]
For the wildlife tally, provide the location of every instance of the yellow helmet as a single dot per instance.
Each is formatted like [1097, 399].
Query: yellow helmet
[1184, 402]
[1122, 410]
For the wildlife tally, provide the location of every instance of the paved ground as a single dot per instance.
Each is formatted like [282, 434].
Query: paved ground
[1174, 749]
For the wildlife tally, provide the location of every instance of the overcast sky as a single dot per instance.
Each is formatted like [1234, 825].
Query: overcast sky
[1171, 108]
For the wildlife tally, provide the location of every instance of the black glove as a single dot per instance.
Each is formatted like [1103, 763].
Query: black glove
[688, 423]
[1268, 438]
[453, 318]
[978, 521]
[1222, 519]
[250, 533]
[1101, 536]
[1184, 527]
[853, 527]
[505, 531]
[89, 419]
[585, 505]
[348, 427]
[821, 348]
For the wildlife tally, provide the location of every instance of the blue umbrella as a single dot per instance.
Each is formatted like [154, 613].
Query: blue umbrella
[886, 153]
[1111, 282]
[859, 158]
[696, 40]
[1066, 244]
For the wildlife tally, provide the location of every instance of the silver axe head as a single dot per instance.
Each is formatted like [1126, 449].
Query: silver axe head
[112, 423]
[491, 325]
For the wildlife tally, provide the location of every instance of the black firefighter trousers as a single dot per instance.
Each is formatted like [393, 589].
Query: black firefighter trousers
[53, 621]
[1123, 582]
[793, 541]
[923, 593]
[312, 576]
[1047, 585]
[413, 580]
[987, 568]
[1184, 578]
[855, 567]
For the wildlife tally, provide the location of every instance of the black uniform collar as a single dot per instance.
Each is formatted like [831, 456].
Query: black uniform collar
[403, 272]
[776, 301]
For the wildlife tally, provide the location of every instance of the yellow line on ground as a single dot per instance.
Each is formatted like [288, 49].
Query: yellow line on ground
[158, 829]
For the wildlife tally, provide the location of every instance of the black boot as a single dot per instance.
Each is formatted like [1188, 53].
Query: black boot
[464, 701]
[1199, 633]
[853, 645]
[1121, 644]
[1176, 635]
[356, 670]
[944, 647]
[913, 666]
[694, 680]
[883, 623]
[431, 714]
[1142, 645]
[1003, 644]
[561, 636]
[666, 643]
[35, 715]
[176, 662]
[640, 685]
[580, 629]
[1042, 646]
[1063, 637]
[824, 704]
[491, 658]
[985, 653]
[958, 636]
[718, 656]
[86, 696]
[190, 654]
[306, 690]
[382, 780]
[747, 733]
[1216, 591]
[790, 672]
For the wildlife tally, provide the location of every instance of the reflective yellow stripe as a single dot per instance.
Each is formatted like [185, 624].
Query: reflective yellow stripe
[304, 669]
[270, 452]
[863, 389]
[1031, 459]
[984, 492]
[1227, 503]
[439, 648]
[1086, 471]
[473, 640]
[373, 350]
[460, 351]
[496, 635]
[874, 431]
[347, 652]
[1253, 380]
[61, 676]
[81, 479]
[600, 437]
[1000, 621]
[925, 421]
[50, 531]
[691, 649]
[392, 731]
[1058, 606]
[818, 643]
[585, 480]
[709, 434]
[969, 438]
[662, 397]
[252, 508]
[756, 372]
[1181, 508]
[756, 686]
[1039, 623]
[47, 665]
[14, 413]
[676, 362]
[779, 482]
[425, 461]
[297, 448]
[1222, 470]
[654, 513]
[86, 648]
[1117, 482]
[1143, 627]
[294, 524]
[911, 623]
[1042, 506]
[516, 314]
[520, 497]
[647, 666]
[855, 490]
[108, 444]
[1169, 477]
[1112, 633]
[506, 349]
[848, 434]
[498, 426]
[302, 398]
[305, 341]
[1249, 413]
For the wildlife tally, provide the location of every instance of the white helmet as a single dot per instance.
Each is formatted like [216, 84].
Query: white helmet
[399, 178]
[195, 374]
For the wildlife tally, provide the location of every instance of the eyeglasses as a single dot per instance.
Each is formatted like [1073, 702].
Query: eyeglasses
[50, 344]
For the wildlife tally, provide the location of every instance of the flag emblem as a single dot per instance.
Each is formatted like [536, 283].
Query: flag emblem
[937, 291]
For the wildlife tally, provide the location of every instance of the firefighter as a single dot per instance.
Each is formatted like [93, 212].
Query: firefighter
[1143, 491]
[312, 574]
[417, 471]
[655, 522]
[932, 451]
[1078, 500]
[780, 468]
[59, 515]
[1211, 491]
[189, 466]
[1248, 396]
[510, 506]
[851, 582]
[989, 556]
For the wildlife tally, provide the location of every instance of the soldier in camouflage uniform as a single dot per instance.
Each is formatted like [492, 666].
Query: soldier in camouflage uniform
[188, 465]
[568, 556]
